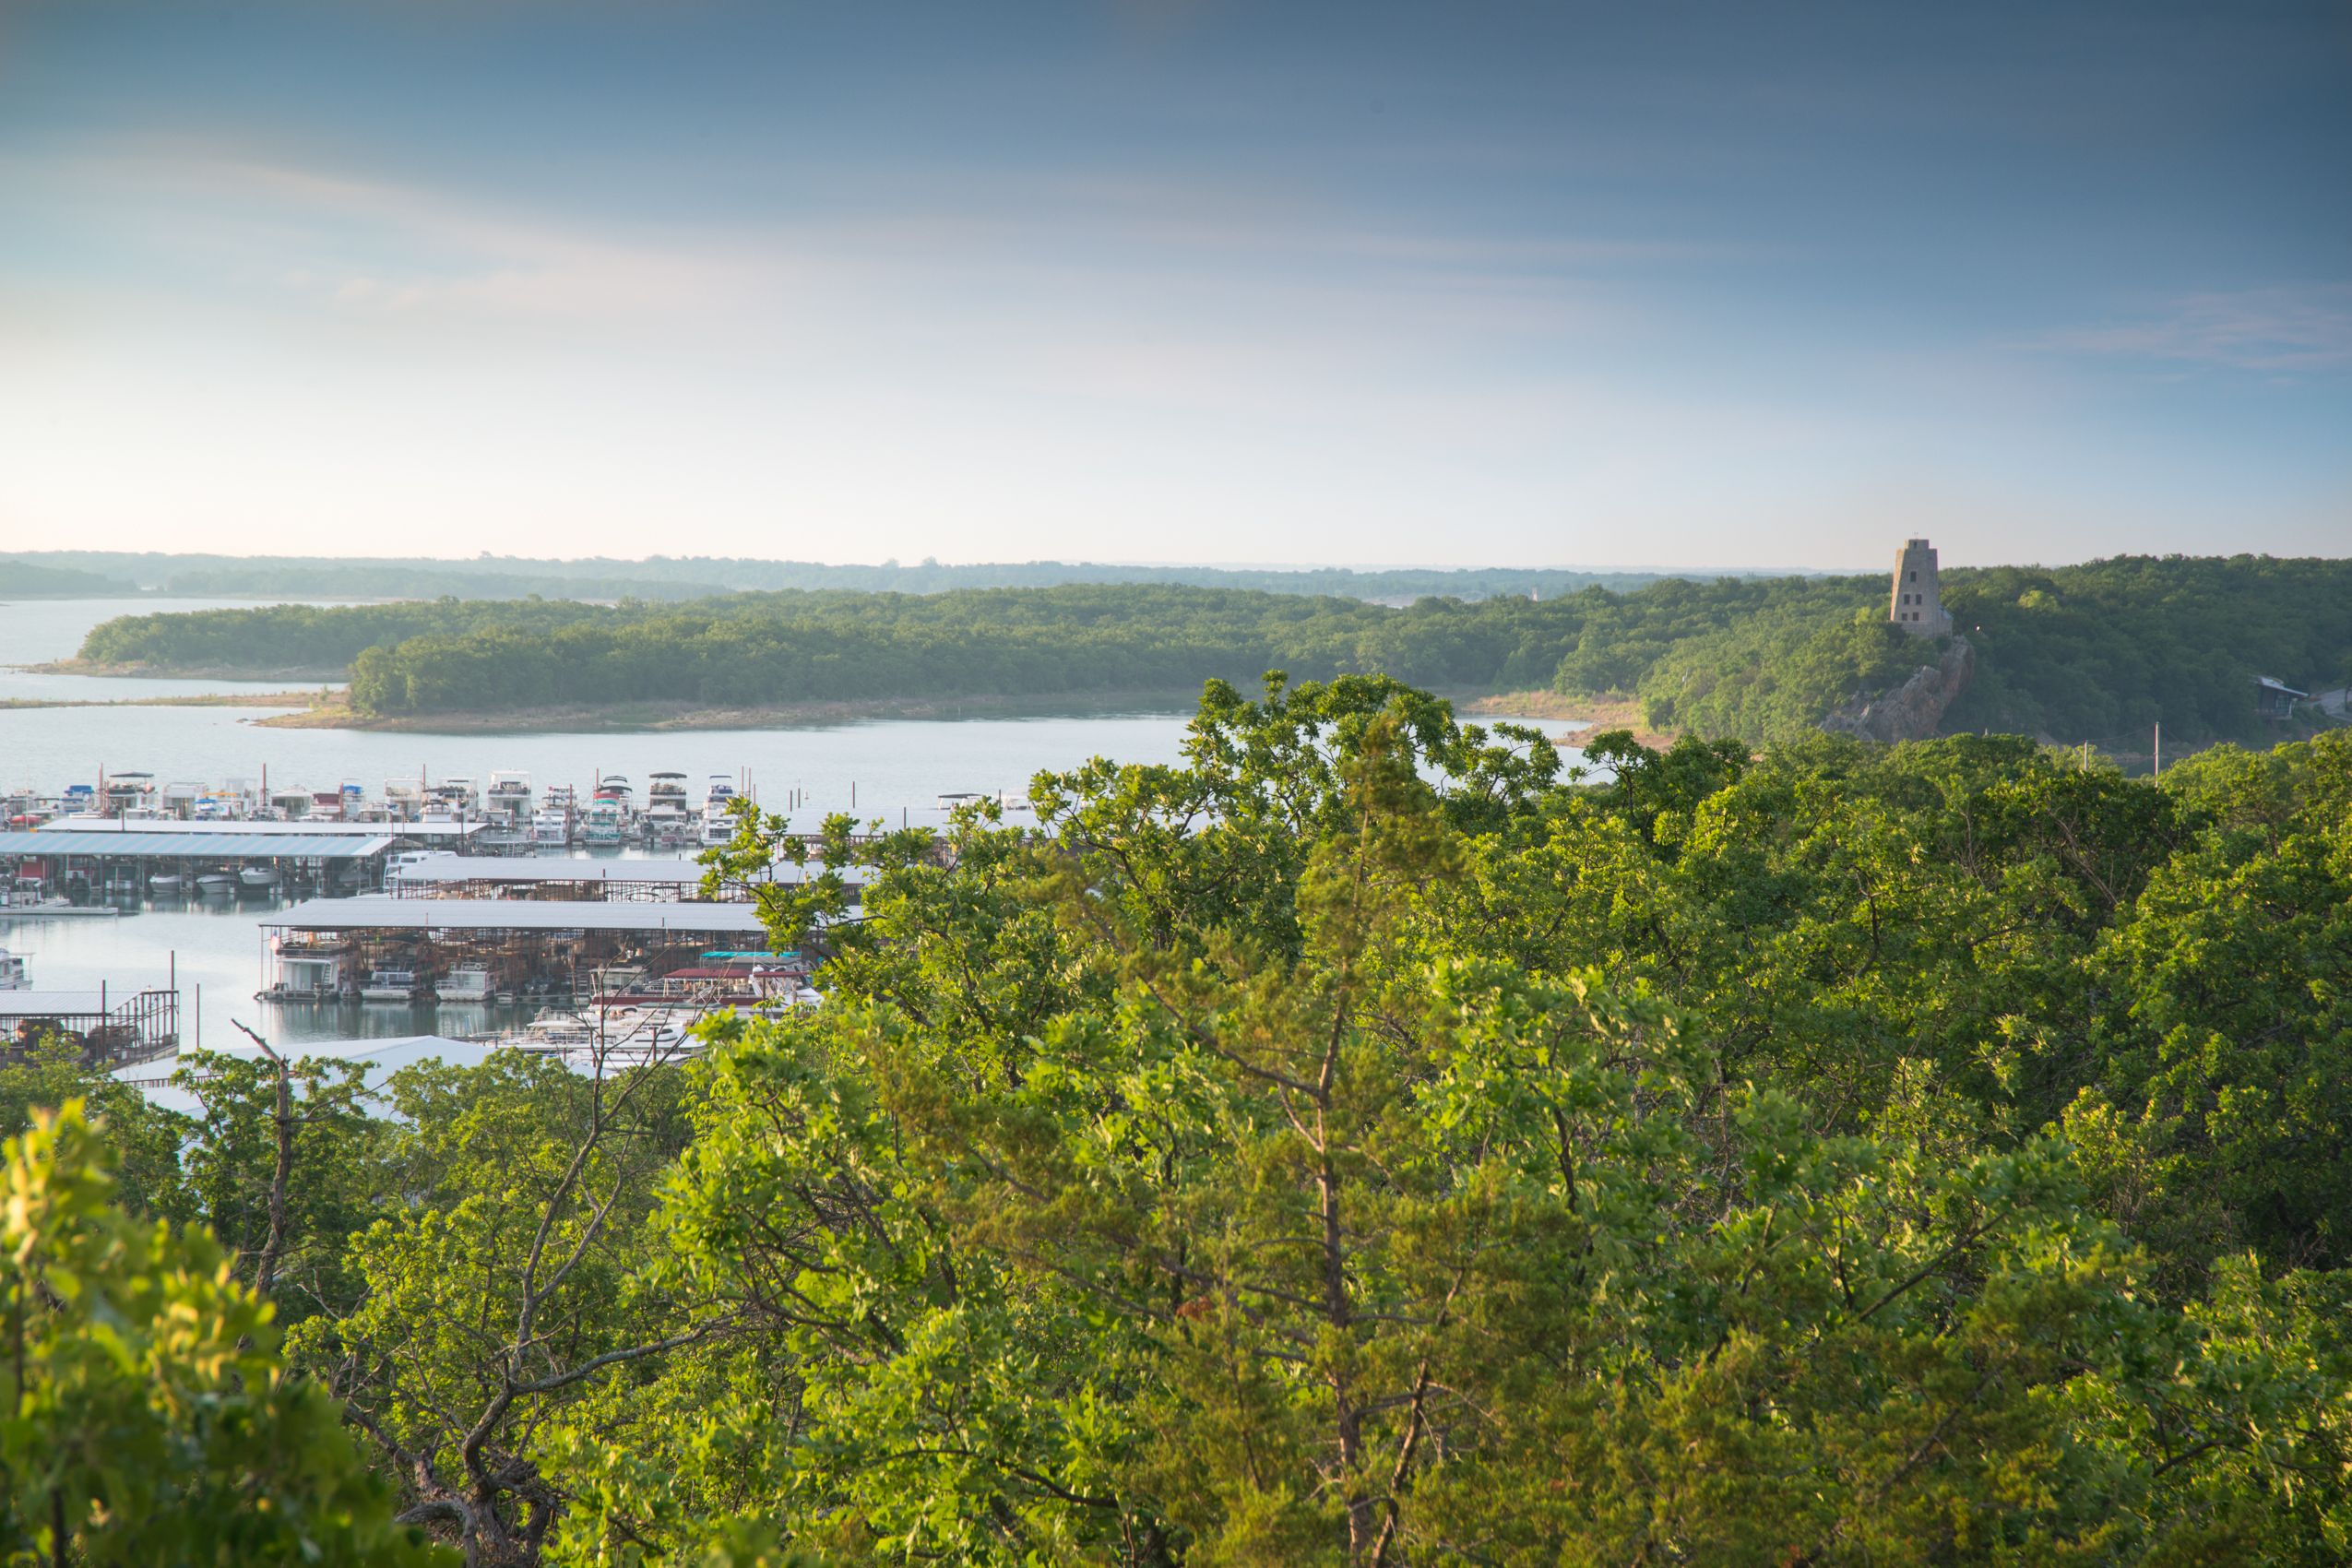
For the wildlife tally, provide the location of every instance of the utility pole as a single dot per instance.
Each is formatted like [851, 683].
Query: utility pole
[2159, 751]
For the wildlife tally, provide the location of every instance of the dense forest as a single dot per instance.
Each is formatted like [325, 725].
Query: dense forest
[2097, 652]
[599, 577]
[313, 639]
[1361, 1145]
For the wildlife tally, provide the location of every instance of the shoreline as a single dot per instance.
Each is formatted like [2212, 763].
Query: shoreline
[654, 718]
[198, 699]
[180, 671]
[1574, 717]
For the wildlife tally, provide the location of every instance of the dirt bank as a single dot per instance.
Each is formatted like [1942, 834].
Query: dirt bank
[1579, 717]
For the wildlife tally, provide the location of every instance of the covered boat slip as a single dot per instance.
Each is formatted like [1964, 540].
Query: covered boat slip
[382, 948]
[671, 879]
[106, 857]
[112, 1029]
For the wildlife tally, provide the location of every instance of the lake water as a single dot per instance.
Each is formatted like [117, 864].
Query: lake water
[888, 764]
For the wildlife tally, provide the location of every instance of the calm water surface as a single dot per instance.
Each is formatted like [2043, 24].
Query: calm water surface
[889, 764]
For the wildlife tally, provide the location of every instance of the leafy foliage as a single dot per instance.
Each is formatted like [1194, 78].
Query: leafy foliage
[150, 1420]
[1368, 1142]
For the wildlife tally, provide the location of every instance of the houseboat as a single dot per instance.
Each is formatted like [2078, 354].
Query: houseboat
[509, 804]
[668, 820]
[718, 811]
[463, 984]
[551, 824]
[389, 985]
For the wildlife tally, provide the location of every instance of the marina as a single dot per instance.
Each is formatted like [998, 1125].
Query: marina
[511, 809]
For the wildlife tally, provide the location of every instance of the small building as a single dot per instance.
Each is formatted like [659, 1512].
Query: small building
[1917, 602]
[2274, 698]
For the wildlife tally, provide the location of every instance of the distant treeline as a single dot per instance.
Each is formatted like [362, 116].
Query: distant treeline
[667, 577]
[322, 639]
[1068, 641]
[22, 580]
[2096, 652]
[399, 580]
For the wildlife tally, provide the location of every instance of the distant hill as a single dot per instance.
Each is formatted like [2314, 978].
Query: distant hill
[21, 579]
[667, 577]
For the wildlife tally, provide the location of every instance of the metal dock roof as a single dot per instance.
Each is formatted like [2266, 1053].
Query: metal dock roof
[539, 868]
[60, 1004]
[195, 846]
[383, 913]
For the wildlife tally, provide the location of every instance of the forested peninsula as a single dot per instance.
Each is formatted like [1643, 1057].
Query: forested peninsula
[2096, 653]
[1362, 1142]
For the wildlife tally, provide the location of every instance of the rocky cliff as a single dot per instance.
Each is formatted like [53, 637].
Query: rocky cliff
[1912, 710]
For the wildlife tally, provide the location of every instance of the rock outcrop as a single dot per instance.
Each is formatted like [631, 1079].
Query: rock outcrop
[1913, 711]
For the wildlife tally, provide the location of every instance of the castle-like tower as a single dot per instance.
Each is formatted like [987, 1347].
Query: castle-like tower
[1917, 605]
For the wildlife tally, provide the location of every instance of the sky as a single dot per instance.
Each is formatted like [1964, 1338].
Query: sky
[1467, 284]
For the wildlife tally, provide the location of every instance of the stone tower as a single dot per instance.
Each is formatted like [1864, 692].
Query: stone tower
[1917, 605]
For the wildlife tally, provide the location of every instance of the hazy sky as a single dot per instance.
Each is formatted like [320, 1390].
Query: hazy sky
[1458, 282]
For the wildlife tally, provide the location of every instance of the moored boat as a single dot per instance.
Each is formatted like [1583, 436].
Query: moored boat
[718, 811]
[389, 985]
[13, 974]
[465, 984]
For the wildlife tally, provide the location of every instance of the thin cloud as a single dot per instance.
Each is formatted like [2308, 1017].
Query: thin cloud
[2274, 330]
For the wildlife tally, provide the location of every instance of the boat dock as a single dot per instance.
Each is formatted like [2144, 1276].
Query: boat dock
[192, 860]
[388, 949]
[664, 879]
[110, 1030]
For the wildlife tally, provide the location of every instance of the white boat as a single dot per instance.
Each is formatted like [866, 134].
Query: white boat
[551, 824]
[12, 972]
[258, 876]
[216, 881]
[718, 811]
[509, 800]
[389, 985]
[164, 881]
[606, 821]
[669, 816]
[463, 985]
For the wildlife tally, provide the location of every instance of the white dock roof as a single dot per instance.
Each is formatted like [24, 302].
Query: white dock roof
[541, 868]
[199, 846]
[233, 829]
[57, 1003]
[384, 913]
